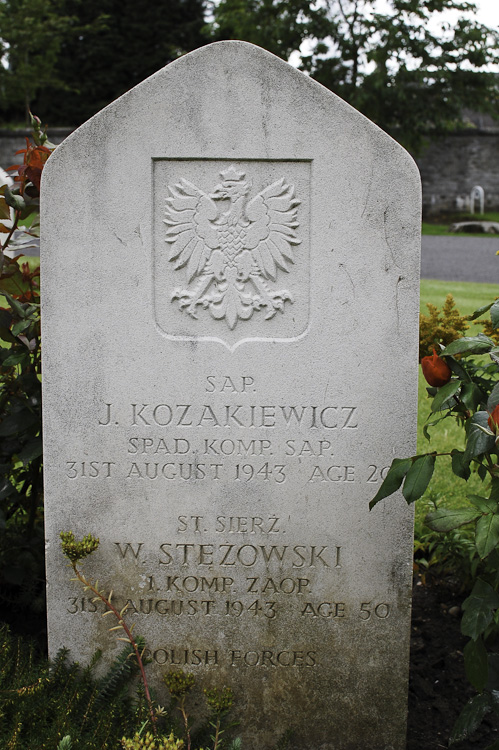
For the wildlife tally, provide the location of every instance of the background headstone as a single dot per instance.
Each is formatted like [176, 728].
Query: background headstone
[230, 279]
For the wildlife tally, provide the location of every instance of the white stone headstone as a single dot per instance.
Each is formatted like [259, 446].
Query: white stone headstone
[230, 283]
[477, 194]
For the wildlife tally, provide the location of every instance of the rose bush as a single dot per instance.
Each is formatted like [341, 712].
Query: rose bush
[464, 385]
[21, 483]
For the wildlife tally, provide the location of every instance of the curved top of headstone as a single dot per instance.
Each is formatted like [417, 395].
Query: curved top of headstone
[233, 100]
[234, 90]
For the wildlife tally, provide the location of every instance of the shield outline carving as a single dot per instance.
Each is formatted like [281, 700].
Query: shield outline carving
[287, 325]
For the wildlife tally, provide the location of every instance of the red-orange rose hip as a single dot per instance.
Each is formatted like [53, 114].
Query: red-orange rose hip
[436, 370]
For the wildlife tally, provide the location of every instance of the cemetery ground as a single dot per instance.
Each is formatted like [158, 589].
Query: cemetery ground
[438, 685]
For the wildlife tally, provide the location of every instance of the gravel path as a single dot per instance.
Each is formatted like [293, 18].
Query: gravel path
[460, 259]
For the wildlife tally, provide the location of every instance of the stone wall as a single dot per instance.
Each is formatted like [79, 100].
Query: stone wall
[450, 166]
[13, 140]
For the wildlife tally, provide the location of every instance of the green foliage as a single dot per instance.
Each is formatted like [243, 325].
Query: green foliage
[121, 671]
[402, 66]
[491, 327]
[21, 481]
[61, 706]
[56, 705]
[179, 683]
[448, 436]
[149, 742]
[280, 26]
[471, 397]
[440, 326]
[85, 53]
[132, 659]
[32, 33]
[76, 551]
[220, 700]
[437, 555]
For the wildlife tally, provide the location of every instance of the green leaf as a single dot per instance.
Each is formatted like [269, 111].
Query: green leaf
[459, 467]
[487, 534]
[480, 311]
[34, 229]
[30, 309]
[469, 345]
[15, 305]
[482, 472]
[31, 450]
[396, 473]
[471, 396]
[446, 519]
[20, 326]
[484, 504]
[5, 335]
[16, 358]
[458, 369]
[478, 442]
[494, 314]
[475, 663]
[18, 422]
[470, 717]
[444, 393]
[494, 490]
[418, 477]
[14, 201]
[478, 609]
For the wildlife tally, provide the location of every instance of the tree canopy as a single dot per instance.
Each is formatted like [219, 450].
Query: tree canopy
[405, 67]
[31, 34]
[85, 53]
[400, 62]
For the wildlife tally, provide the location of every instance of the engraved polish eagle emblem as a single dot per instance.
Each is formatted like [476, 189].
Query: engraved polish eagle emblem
[231, 247]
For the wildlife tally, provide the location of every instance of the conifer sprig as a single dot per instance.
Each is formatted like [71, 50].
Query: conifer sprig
[75, 551]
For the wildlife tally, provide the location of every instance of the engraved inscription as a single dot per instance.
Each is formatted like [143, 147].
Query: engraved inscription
[184, 586]
[246, 555]
[231, 247]
[235, 657]
[182, 602]
[163, 446]
[329, 417]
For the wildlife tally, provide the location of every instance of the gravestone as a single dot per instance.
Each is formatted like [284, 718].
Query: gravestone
[230, 273]
[477, 194]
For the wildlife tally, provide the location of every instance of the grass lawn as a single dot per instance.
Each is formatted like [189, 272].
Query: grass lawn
[445, 486]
